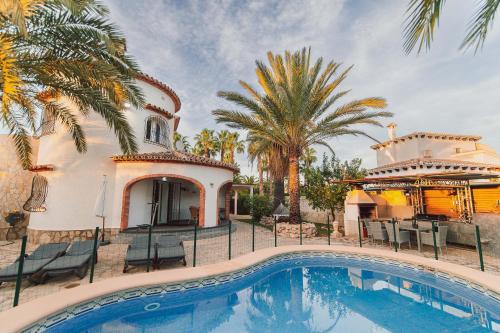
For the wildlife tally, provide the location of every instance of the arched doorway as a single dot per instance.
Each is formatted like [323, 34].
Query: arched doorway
[164, 200]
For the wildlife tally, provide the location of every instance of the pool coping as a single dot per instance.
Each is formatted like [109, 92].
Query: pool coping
[27, 314]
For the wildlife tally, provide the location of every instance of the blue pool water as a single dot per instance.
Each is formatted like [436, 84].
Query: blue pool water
[305, 294]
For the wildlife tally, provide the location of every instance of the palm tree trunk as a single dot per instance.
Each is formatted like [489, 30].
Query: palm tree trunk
[207, 153]
[293, 186]
[279, 192]
[222, 155]
[261, 175]
[231, 154]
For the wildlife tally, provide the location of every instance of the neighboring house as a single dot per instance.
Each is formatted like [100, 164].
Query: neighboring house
[445, 176]
[158, 183]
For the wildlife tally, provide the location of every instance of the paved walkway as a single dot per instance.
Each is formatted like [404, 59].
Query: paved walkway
[209, 250]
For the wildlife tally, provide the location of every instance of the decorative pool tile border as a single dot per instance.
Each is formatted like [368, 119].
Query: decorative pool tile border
[128, 294]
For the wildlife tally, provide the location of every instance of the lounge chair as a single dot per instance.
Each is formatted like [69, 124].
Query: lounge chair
[76, 261]
[169, 249]
[427, 239]
[137, 252]
[34, 262]
[402, 236]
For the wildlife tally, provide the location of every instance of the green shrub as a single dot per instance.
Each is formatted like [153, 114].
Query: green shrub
[244, 203]
[261, 205]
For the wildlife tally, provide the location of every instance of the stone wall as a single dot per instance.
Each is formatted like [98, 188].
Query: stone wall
[315, 215]
[50, 236]
[15, 187]
[293, 230]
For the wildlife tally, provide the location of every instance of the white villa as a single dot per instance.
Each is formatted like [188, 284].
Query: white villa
[71, 191]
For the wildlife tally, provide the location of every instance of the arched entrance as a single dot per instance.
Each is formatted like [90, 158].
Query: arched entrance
[166, 199]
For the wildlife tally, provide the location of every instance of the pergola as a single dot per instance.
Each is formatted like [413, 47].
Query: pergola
[414, 185]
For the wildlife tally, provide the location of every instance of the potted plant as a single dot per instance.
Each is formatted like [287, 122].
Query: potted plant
[14, 217]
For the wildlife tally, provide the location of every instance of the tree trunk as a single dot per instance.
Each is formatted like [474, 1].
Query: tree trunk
[294, 186]
[261, 175]
[279, 192]
[207, 153]
[222, 155]
[231, 156]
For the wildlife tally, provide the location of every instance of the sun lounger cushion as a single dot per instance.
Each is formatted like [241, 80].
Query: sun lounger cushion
[139, 254]
[46, 251]
[170, 252]
[168, 240]
[30, 267]
[68, 262]
[81, 247]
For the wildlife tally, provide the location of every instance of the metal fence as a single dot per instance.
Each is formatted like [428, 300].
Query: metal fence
[29, 271]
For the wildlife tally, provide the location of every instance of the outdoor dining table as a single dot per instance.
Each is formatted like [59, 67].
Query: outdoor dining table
[417, 230]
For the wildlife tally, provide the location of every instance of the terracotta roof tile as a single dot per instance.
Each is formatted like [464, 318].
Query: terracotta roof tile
[42, 167]
[175, 157]
[158, 110]
[163, 87]
[427, 134]
[427, 162]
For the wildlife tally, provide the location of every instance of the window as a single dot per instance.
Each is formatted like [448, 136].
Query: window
[48, 123]
[428, 153]
[157, 131]
[36, 201]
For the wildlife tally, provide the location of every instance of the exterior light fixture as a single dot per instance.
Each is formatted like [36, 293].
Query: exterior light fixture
[163, 179]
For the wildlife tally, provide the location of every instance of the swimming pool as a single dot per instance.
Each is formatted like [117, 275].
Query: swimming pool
[295, 293]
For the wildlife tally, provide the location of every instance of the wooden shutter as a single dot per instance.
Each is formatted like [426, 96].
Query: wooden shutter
[486, 199]
[439, 202]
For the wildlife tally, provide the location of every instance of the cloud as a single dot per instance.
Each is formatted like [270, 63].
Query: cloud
[201, 47]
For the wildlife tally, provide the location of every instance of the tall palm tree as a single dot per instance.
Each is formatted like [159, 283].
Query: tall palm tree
[53, 51]
[255, 154]
[222, 143]
[234, 144]
[206, 142]
[292, 112]
[423, 18]
[183, 139]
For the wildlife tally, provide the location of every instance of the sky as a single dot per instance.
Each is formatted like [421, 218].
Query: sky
[201, 47]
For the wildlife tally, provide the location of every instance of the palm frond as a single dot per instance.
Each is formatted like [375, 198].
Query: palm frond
[421, 21]
[480, 24]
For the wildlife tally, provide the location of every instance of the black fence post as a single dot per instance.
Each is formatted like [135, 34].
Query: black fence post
[300, 230]
[253, 235]
[94, 255]
[393, 220]
[359, 232]
[479, 248]
[275, 234]
[328, 227]
[150, 230]
[20, 267]
[194, 241]
[434, 241]
[229, 239]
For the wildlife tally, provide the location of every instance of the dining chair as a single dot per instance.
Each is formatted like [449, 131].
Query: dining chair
[379, 233]
[402, 236]
[441, 234]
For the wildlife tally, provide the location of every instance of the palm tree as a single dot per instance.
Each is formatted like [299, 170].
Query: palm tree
[292, 112]
[53, 51]
[309, 157]
[206, 142]
[234, 144]
[222, 143]
[183, 139]
[249, 180]
[423, 18]
[276, 161]
[253, 154]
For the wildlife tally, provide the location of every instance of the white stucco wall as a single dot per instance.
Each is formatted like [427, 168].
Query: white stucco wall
[211, 179]
[74, 185]
[415, 148]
